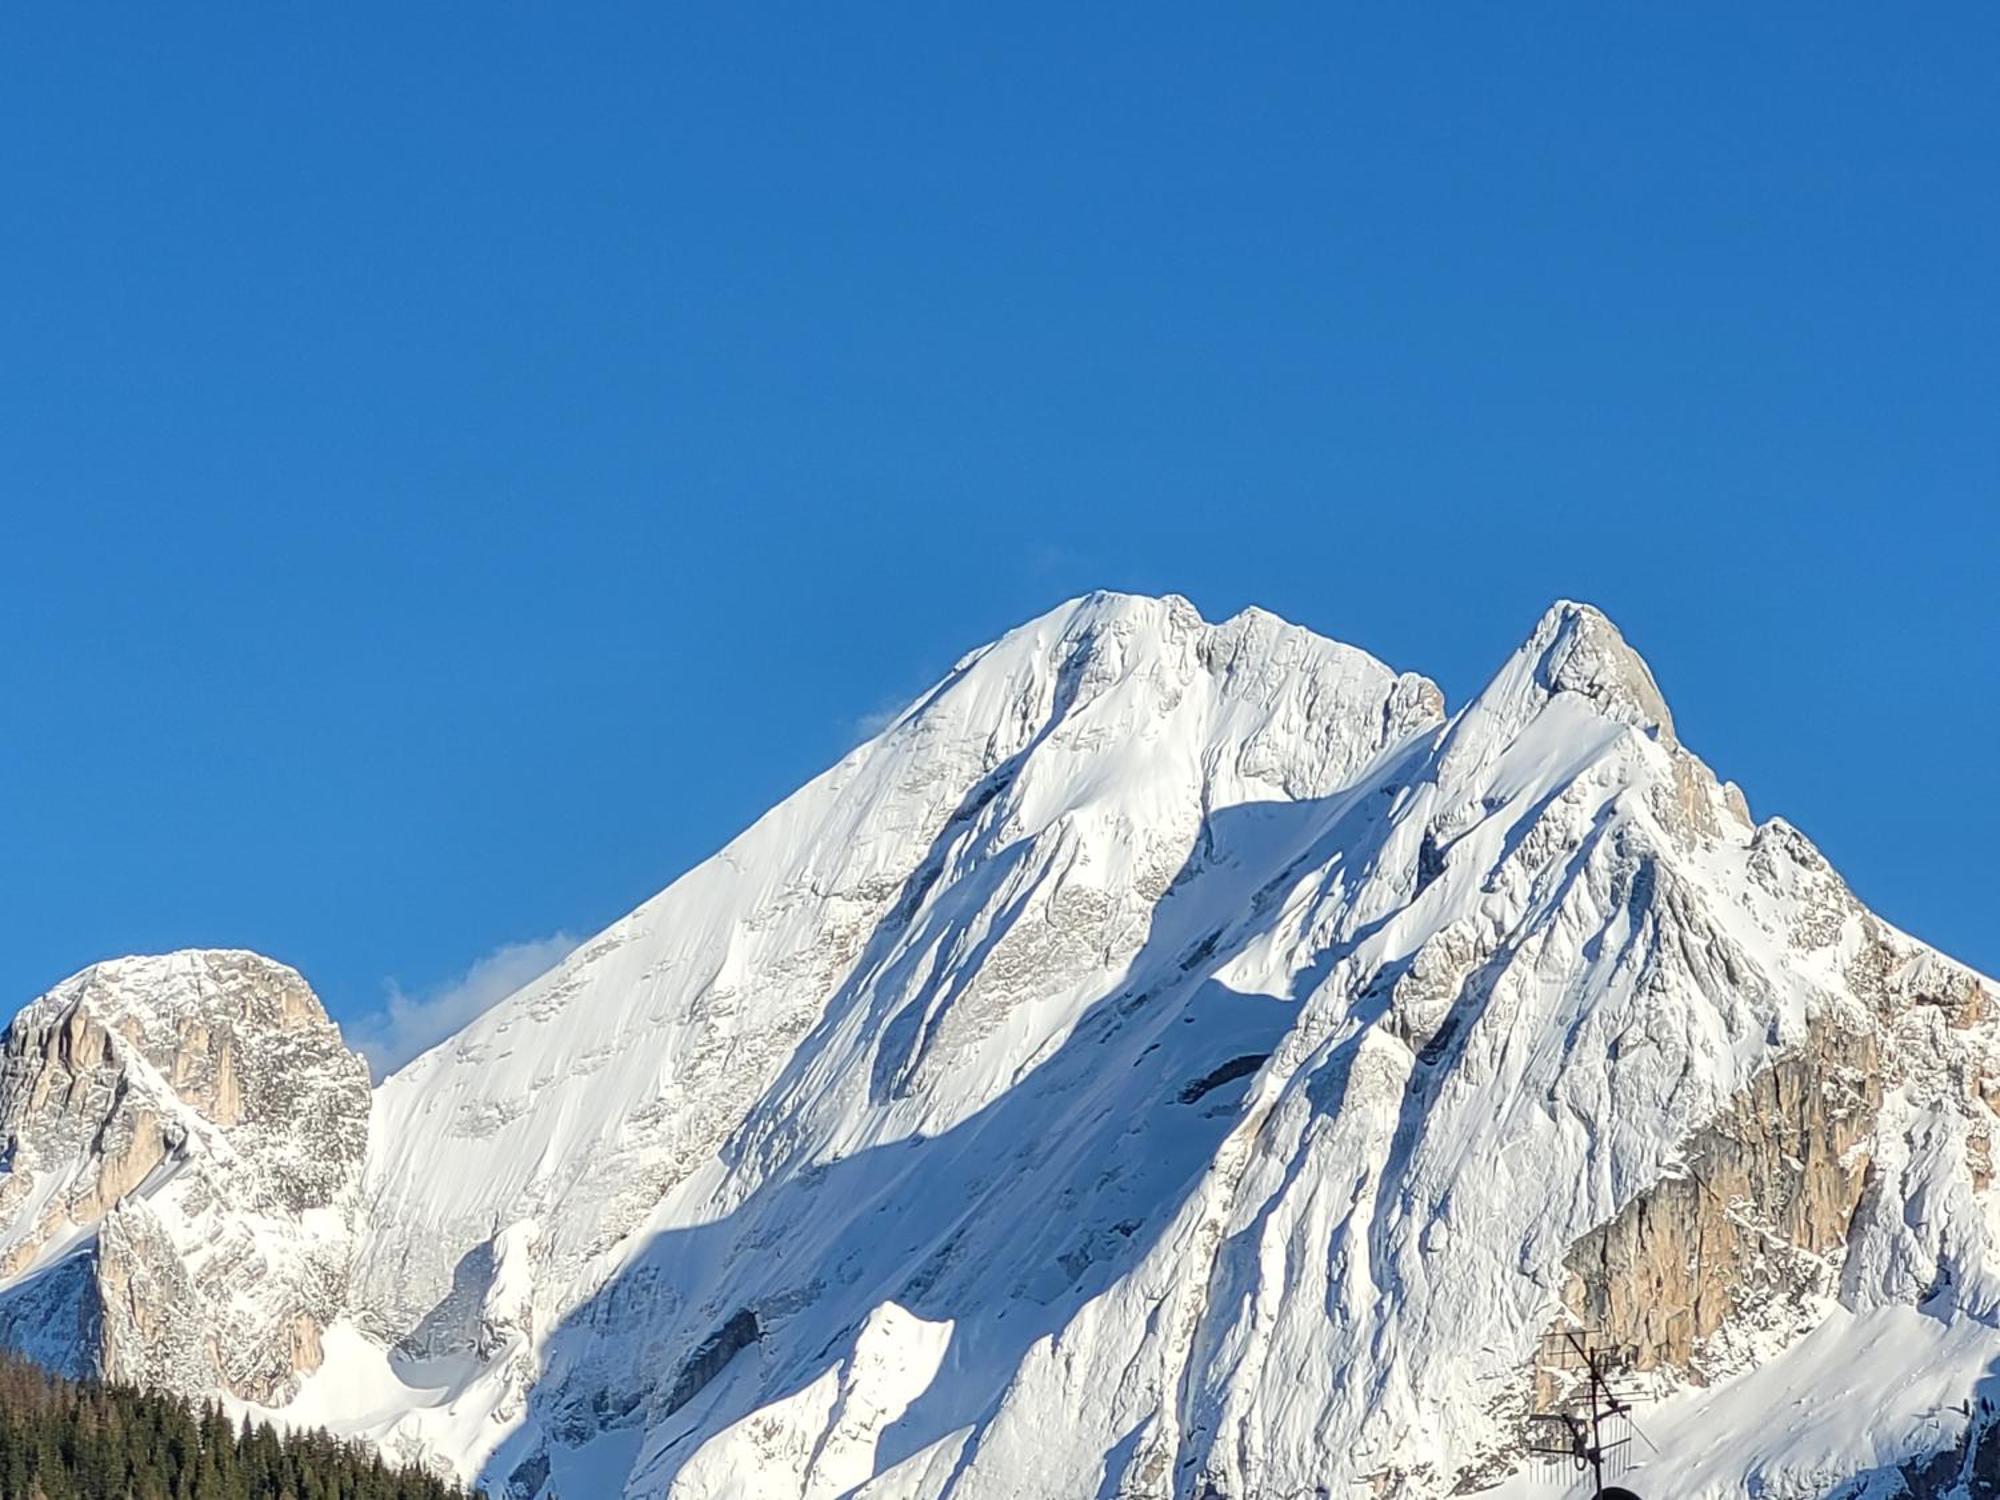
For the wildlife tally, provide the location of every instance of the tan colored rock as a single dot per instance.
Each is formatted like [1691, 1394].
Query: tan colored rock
[307, 1351]
[1744, 1233]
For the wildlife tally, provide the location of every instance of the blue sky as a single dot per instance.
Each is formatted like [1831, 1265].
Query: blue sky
[461, 463]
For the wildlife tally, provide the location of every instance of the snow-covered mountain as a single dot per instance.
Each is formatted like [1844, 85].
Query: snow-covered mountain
[184, 1148]
[1172, 1059]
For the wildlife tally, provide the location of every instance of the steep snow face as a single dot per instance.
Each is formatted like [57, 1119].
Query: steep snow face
[1176, 1060]
[184, 1140]
[883, 955]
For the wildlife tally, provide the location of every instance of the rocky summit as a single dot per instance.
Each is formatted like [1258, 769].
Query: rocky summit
[185, 1139]
[1172, 1059]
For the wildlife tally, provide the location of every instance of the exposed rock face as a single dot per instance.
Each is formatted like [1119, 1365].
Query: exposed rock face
[1745, 1236]
[189, 1131]
[1831, 1175]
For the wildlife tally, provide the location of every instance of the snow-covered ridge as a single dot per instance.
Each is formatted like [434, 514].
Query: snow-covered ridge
[1172, 1059]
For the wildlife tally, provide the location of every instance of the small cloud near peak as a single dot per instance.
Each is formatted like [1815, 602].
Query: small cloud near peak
[409, 1024]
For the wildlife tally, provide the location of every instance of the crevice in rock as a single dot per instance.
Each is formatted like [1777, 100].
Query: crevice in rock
[739, 1333]
[1215, 1078]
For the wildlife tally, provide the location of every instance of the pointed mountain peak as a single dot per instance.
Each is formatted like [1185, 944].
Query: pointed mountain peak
[1574, 652]
[1576, 649]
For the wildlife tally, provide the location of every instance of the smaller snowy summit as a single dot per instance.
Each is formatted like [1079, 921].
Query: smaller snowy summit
[1172, 1059]
[185, 1140]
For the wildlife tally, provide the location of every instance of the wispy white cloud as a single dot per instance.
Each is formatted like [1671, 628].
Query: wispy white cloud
[866, 726]
[408, 1024]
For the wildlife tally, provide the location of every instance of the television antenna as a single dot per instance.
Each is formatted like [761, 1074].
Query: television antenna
[1591, 1425]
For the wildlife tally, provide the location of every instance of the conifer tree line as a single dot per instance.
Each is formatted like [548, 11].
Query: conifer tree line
[69, 1440]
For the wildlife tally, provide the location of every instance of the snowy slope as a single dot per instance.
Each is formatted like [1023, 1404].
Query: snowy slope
[1176, 1059]
[1009, 837]
[876, 960]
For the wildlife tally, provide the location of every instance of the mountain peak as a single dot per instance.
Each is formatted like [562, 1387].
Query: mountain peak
[1577, 649]
[1574, 656]
[189, 1124]
[143, 993]
[1108, 632]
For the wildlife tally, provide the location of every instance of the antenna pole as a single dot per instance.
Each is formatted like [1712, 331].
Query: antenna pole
[1596, 1435]
[1586, 1446]
[1594, 1453]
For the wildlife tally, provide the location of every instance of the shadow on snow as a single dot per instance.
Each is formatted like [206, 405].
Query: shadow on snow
[1004, 1225]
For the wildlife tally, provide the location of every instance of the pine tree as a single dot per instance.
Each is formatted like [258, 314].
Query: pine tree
[67, 1440]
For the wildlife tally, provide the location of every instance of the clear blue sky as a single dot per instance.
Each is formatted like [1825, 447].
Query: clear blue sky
[461, 463]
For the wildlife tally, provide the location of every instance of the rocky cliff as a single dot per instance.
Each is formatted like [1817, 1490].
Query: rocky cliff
[184, 1143]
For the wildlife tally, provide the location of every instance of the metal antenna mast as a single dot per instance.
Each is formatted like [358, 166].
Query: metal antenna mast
[1581, 1438]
